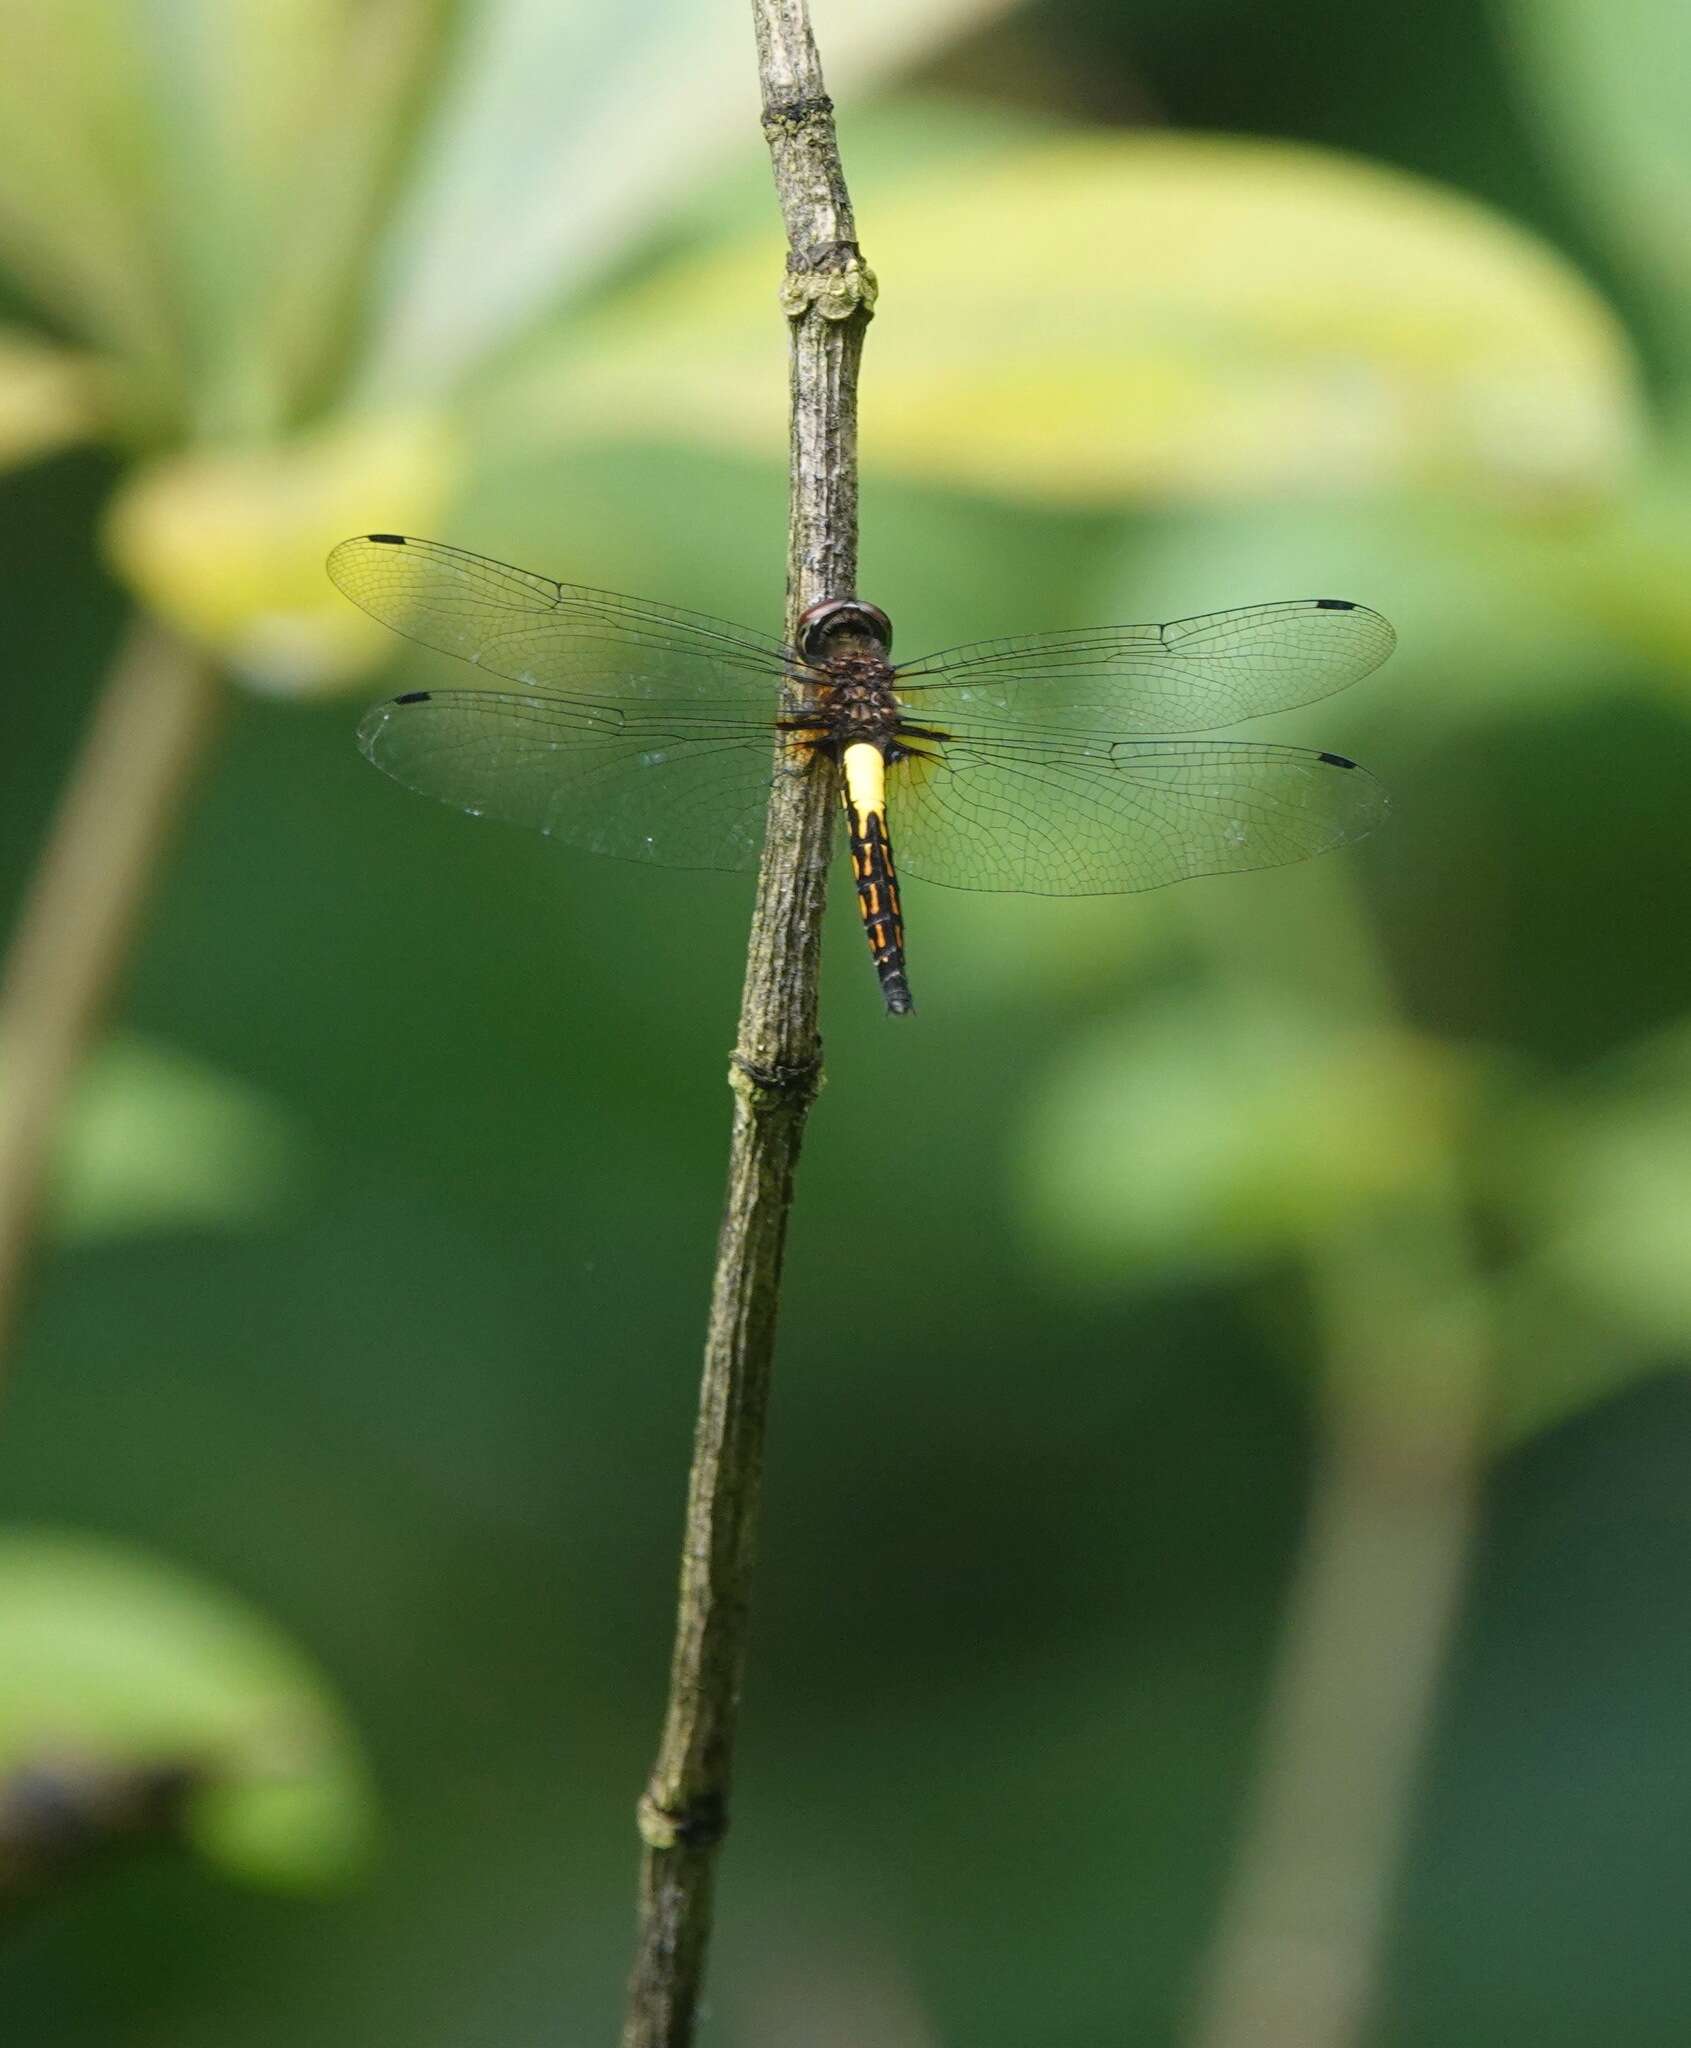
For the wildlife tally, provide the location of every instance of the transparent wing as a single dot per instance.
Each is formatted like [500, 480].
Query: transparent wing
[1189, 676]
[559, 636]
[1100, 818]
[674, 787]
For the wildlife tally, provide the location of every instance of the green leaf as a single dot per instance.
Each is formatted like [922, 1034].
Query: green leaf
[1613, 88]
[1586, 1183]
[1197, 1138]
[110, 1658]
[1106, 316]
[1607, 1190]
[157, 1141]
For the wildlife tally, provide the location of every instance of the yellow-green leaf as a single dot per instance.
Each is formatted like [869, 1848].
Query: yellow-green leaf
[191, 187]
[229, 548]
[49, 398]
[1157, 316]
[76, 179]
[271, 133]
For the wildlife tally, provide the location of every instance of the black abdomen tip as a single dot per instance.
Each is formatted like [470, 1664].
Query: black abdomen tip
[388, 540]
[897, 993]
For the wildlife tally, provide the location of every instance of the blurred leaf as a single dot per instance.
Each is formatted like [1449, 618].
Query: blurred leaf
[108, 1656]
[569, 132]
[1585, 1185]
[1607, 1182]
[275, 128]
[1553, 1360]
[1496, 617]
[1207, 1139]
[1162, 315]
[230, 93]
[1613, 88]
[1625, 575]
[1036, 952]
[191, 186]
[230, 547]
[76, 192]
[156, 1141]
[49, 399]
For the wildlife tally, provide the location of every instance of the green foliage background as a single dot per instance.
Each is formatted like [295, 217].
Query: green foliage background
[378, 1281]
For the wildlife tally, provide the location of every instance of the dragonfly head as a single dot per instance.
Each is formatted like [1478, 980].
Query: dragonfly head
[839, 625]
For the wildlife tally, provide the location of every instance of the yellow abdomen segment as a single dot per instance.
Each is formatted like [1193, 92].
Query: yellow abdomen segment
[864, 776]
[865, 779]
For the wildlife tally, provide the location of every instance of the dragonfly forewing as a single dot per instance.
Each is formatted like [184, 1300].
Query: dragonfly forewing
[544, 634]
[1191, 675]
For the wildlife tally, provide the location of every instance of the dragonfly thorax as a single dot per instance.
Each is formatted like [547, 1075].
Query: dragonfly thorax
[857, 699]
[846, 642]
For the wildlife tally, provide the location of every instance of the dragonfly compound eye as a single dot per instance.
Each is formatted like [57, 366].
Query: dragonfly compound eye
[837, 618]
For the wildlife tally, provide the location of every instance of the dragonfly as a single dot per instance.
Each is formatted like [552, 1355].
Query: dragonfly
[1056, 764]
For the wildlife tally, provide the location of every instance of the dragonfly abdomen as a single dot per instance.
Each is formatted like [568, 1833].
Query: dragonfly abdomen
[864, 789]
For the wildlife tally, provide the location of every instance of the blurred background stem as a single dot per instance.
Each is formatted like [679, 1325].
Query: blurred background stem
[1376, 1591]
[1400, 1327]
[79, 917]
